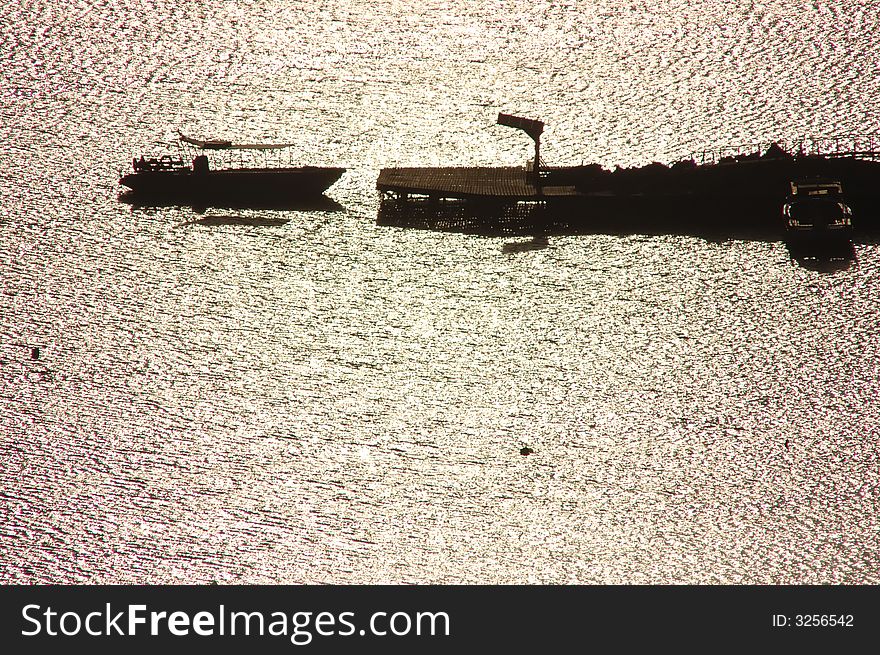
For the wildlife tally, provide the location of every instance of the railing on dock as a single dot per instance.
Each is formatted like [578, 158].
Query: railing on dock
[858, 146]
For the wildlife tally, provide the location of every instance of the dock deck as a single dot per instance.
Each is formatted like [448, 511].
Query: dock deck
[504, 184]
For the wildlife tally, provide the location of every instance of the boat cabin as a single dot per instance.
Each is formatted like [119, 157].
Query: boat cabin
[816, 207]
[816, 188]
[158, 164]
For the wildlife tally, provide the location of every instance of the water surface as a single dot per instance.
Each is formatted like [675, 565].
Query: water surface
[262, 395]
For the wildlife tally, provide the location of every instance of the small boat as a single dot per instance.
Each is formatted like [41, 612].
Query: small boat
[248, 180]
[223, 144]
[816, 214]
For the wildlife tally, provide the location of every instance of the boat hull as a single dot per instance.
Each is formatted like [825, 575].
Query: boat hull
[276, 184]
[820, 241]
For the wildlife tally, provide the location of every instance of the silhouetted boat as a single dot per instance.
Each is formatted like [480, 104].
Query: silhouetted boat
[170, 177]
[816, 215]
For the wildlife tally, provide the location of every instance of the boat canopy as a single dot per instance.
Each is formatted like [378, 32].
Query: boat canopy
[222, 144]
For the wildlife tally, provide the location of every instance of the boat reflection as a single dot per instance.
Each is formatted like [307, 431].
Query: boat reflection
[227, 219]
[830, 258]
[317, 204]
[537, 242]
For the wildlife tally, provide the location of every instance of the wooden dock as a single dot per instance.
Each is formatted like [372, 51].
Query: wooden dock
[501, 184]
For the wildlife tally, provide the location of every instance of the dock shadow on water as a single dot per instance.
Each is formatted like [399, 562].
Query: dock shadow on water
[638, 216]
[742, 221]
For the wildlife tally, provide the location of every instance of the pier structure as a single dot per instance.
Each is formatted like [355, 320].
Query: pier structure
[744, 186]
[504, 185]
[865, 147]
[496, 185]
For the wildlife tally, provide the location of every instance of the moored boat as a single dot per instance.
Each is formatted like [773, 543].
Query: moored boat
[170, 176]
[816, 214]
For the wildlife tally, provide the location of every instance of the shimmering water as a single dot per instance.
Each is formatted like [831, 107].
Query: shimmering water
[292, 396]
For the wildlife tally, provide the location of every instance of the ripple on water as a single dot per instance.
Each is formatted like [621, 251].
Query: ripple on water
[267, 395]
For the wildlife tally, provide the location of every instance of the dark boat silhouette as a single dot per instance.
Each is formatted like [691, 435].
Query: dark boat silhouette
[817, 216]
[170, 177]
